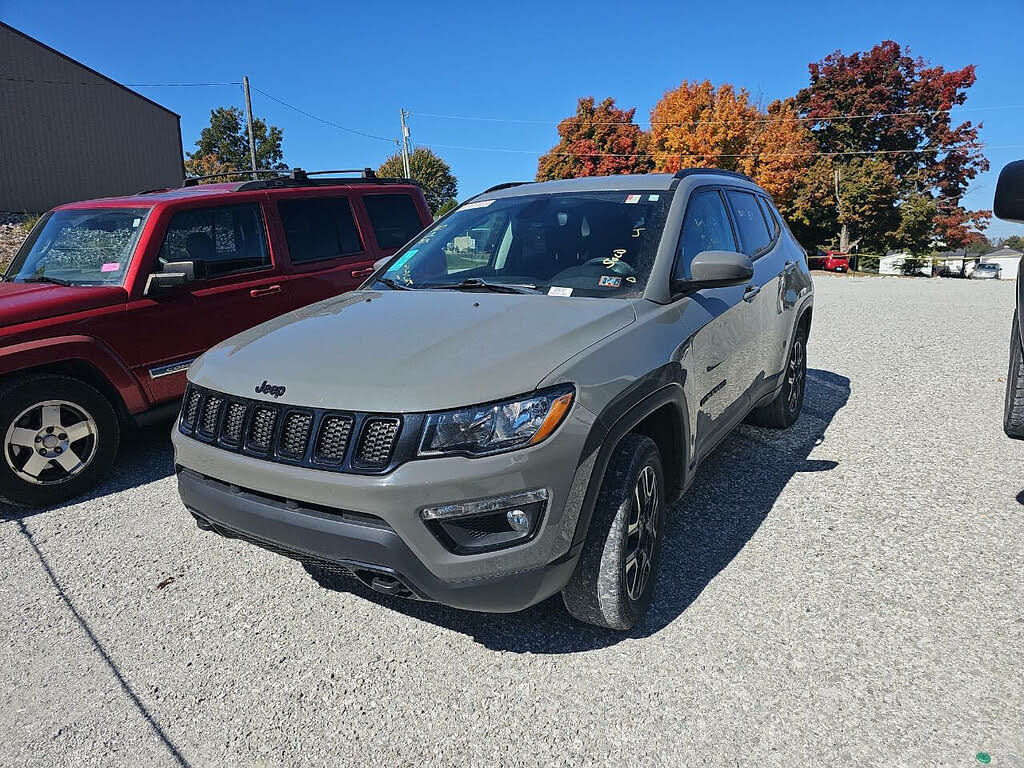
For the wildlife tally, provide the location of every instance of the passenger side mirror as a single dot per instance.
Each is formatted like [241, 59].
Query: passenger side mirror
[175, 274]
[716, 269]
[1009, 202]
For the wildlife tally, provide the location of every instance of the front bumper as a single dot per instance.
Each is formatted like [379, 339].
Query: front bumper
[322, 516]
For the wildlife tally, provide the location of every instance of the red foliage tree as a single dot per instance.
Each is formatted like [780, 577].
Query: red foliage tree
[886, 103]
[598, 140]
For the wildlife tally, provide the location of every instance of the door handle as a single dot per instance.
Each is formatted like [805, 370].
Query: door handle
[268, 291]
[362, 272]
[751, 292]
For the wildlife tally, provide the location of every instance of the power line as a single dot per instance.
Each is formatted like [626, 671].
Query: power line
[696, 121]
[321, 119]
[718, 154]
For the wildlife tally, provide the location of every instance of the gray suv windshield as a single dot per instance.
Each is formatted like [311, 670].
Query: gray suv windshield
[580, 244]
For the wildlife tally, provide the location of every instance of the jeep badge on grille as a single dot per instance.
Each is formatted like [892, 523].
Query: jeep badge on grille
[269, 389]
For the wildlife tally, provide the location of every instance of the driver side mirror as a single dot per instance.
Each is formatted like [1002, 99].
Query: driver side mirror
[716, 269]
[175, 274]
[1009, 202]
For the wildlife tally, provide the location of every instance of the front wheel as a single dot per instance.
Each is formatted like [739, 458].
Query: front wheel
[613, 583]
[60, 437]
[1013, 406]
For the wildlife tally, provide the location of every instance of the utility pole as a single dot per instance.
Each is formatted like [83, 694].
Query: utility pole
[405, 146]
[248, 123]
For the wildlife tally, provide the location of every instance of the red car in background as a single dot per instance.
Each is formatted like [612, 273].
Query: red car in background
[108, 302]
[830, 261]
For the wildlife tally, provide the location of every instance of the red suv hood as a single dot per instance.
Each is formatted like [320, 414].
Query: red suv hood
[24, 302]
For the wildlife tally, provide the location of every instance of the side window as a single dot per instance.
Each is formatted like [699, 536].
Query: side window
[705, 228]
[319, 228]
[394, 219]
[218, 241]
[770, 216]
[749, 221]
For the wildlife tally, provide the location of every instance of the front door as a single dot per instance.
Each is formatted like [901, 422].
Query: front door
[721, 346]
[237, 285]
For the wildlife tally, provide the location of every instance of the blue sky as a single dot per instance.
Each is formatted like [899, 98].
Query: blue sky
[357, 63]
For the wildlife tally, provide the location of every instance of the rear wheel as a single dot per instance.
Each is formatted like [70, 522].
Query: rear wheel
[785, 408]
[1013, 407]
[613, 583]
[60, 437]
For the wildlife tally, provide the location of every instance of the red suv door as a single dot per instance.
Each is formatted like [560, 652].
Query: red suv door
[237, 285]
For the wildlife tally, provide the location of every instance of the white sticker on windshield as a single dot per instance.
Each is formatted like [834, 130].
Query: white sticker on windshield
[555, 290]
[632, 198]
[477, 204]
[136, 222]
[653, 198]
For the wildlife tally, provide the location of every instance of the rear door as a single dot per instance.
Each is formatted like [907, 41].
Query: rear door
[237, 285]
[327, 253]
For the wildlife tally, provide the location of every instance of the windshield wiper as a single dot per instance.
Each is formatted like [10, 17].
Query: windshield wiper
[46, 279]
[393, 284]
[472, 283]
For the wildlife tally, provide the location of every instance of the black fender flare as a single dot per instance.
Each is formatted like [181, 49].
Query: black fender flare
[661, 387]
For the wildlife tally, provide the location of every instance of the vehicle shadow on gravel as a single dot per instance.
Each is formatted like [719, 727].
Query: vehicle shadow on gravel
[145, 455]
[732, 495]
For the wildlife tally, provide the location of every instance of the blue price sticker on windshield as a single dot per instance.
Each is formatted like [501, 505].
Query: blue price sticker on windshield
[402, 261]
[606, 281]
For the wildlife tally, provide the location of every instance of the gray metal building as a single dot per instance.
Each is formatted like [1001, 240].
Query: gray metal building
[69, 133]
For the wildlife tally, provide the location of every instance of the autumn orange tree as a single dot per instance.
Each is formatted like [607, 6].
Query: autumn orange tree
[599, 140]
[699, 126]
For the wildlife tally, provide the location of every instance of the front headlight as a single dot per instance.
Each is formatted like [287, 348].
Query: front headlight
[495, 427]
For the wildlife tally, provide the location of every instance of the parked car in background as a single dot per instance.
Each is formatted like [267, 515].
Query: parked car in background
[830, 261]
[986, 271]
[504, 411]
[109, 301]
[1009, 205]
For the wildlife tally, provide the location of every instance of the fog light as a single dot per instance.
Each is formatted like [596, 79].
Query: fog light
[518, 520]
[488, 524]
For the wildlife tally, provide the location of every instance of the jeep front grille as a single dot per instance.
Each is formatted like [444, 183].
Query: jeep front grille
[295, 435]
[341, 442]
[377, 442]
[332, 443]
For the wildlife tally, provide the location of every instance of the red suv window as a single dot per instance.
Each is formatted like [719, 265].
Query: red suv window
[394, 219]
[218, 241]
[319, 228]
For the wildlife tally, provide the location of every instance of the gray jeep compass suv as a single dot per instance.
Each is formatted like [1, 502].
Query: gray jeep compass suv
[507, 405]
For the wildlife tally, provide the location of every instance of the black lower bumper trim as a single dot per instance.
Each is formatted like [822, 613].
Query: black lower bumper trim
[371, 552]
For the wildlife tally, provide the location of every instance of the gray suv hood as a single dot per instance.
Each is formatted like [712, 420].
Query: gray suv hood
[406, 351]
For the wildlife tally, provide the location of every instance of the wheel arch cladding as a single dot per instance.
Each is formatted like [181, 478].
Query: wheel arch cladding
[83, 371]
[661, 415]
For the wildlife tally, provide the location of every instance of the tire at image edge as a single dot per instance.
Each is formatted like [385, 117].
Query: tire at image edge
[22, 392]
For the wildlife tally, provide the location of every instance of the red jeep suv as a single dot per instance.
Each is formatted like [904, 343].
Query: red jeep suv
[108, 302]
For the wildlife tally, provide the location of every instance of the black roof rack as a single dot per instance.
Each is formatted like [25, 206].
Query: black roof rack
[717, 171]
[299, 177]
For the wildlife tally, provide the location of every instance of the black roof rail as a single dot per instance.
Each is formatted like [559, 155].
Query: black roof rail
[506, 185]
[717, 171]
[296, 177]
[154, 190]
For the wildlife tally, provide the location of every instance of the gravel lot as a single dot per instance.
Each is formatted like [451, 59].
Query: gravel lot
[847, 592]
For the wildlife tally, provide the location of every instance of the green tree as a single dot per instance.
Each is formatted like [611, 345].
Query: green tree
[433, 174]
[1014, 241]
[224, 144]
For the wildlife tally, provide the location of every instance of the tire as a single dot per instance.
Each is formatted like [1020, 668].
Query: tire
[46, 424]
[1013, 407]
[602, 590]
[785, 408]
